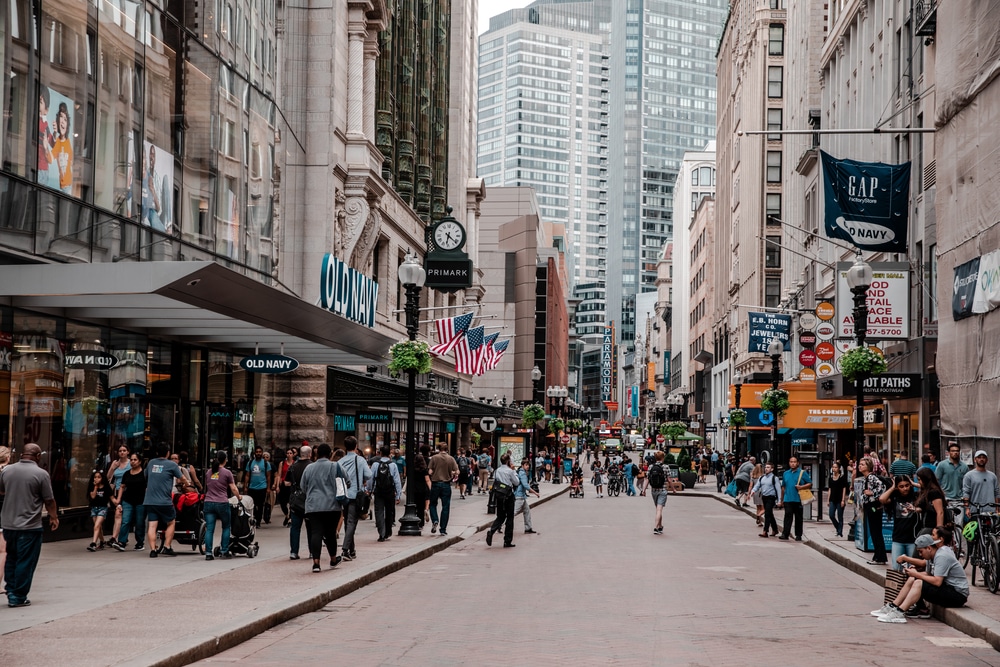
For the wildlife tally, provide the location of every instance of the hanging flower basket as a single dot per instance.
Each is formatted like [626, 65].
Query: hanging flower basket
[673, 430]
[776, 401]
[409, 355]
[556, 425]
[532, 414]
[860, 363]
[737, 417]
[476, 438]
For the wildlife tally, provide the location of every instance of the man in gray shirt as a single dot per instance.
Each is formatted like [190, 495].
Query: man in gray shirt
[26, 488]
[505, 480]
[742, 478]
[980, 486]
[159, 503]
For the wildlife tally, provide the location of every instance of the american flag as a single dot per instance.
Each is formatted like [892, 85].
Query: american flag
[467, 351]
[498, 349]
[485, 352]
[449, 331]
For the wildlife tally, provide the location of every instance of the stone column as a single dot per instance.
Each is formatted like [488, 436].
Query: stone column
[356, 35]
[370, 68]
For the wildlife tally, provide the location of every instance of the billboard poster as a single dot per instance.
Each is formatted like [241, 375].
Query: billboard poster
[634, 394]
[766, 326]
[867, 203]
[964, 289]
[157, 173]
[988, 283]
[55, 140]
[888, 301]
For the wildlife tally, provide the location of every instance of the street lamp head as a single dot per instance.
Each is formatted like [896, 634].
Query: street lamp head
[775, 348]
[536, 374]
[738, 380]
[859, 276]
[411, 272]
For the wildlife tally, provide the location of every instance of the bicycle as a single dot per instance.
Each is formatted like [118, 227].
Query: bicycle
[957, 507]
[979, 533]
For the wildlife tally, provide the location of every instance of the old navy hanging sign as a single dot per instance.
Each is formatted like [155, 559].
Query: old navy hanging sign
[347, 292]
[268, 363]
[867, 203]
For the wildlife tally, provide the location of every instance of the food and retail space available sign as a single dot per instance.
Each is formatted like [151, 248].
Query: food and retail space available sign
[888, 301]
[867, 203]
[976, 287]
[347, 292]
[766, 326]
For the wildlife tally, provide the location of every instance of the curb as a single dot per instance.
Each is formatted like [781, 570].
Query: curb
[235, 631]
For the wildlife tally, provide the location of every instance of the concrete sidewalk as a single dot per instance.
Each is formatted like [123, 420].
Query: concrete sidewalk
[980, 617]
[173, 611]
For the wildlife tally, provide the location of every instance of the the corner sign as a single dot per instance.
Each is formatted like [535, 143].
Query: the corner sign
[347, 292]
[268, 363]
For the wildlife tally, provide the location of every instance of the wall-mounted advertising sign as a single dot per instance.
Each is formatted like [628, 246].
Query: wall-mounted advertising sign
[374, 417]
[342, 423]
[888, 301]
[766, 326]
[867, 203]
[268, 363]
[607, 361]
[347, 292]
[91, 361]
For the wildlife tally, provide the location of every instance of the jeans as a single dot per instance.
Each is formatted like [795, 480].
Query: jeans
[322, 527]
[521, 504]
[23, 549]
[793, 510]
[631, 485]
[873, 526]
[505, 513]
[385, 515]
[216, 512]
[901, 549]
[837, 517]
[441, 490]
[133, 518]
[350, 525]
[769, 520]
[295, 532]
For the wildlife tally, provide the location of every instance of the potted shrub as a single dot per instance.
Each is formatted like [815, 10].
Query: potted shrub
[409, 355]
[738, 417]
[556, 425]
[775, 401]
[686, 476]
[860, 363]
[532, 413]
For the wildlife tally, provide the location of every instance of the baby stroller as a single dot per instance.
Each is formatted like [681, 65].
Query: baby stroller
[189, 527]
[576, 485]
[242, 534]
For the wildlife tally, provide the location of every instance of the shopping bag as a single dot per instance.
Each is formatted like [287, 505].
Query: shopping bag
[731, 489]
[894, 581]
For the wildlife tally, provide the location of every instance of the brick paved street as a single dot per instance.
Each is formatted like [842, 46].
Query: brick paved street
[596, 587]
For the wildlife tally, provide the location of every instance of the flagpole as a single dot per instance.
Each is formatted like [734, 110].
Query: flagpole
[467, 305]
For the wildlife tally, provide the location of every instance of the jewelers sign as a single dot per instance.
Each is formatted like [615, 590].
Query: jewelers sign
[888, 301]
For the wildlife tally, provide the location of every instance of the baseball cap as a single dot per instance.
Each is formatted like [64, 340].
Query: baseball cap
[981, 452]
[924, 541]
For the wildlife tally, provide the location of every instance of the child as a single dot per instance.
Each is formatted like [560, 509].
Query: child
[99, 496]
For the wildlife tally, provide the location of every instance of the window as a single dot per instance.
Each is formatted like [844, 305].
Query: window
[772, 252]
[776, 40]
[774, 166]
[773, 210]
[775, 79]
[772, 291]
[774, 123]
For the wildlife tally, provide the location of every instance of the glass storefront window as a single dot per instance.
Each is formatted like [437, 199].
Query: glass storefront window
[85, 405]
[199, 108]
[158, 198]
[128, 391]
[18, 44]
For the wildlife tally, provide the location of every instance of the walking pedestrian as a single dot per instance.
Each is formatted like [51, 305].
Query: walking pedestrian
[742, 478]
[98, 499]
[794, 480]
[443, 470]
[130, 497]
[4, 461]
[837, 487]
[219, 483]
[297, 510]
[464, 470]
[631, 473]
[359, 473]
[871, 489]
[386, 489]
[319, 481]
[159, 504]
[521, 494]
[656, 484]
[282, 487]
[769, 488]
[951, 472]
[505, 480]
[903, 466]
[256, 482]
[116, 470]
[26, 488]
[758, 501]
[485, 464]
[598, 477]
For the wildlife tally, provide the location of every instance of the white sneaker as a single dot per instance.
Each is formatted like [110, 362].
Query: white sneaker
[894, 616]
[886, 608]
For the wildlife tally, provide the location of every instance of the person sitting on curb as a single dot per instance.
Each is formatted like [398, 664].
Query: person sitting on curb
[944, 583]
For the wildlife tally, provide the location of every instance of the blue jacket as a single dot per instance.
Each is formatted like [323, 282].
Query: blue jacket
[356, 470]
[522, 489]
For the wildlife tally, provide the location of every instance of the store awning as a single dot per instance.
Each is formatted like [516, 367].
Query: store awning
[198, 303]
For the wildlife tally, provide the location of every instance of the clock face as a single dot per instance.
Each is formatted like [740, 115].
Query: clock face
[449, 235]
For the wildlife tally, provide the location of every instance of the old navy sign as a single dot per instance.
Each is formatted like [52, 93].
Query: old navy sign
[91, 361]
[347, 292]
[268, 363]
[867, 203]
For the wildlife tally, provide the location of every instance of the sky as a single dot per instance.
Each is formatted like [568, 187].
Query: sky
[488, 8]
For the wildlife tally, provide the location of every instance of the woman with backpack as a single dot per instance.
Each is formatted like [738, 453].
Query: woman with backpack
[463, 473]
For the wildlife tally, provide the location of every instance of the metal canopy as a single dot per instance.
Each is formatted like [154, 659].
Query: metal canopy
[198, 303]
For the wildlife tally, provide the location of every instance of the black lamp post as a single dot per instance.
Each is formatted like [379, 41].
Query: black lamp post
[738, 388]
[774, 350]
[536, 377]
[412, 276]
[557, 401]
[859, 279]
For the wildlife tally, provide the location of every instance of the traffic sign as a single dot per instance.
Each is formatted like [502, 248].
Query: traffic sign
[766, 417]
[660, 439]
[488, 424]
[564, 439]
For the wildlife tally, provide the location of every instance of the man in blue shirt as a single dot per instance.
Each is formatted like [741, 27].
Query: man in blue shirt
[793, 481]
[521, 493]
[630, 472]
[256, 482]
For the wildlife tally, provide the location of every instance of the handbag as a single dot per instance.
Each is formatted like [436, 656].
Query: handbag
[297, 500]
[805, 495]
[341, 494]
[501, 490]
[364, 498]
[731, 489]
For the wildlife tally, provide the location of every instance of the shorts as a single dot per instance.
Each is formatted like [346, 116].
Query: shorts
[742, 485]
[98, 511]
[164, 513]
[943, 595]
[659, 497]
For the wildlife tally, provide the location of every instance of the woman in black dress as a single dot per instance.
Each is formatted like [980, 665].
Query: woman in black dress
[837, 487]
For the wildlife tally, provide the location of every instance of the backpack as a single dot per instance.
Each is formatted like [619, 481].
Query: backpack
[384, 486]
[657, 477]
[484, 461]
[463, 464]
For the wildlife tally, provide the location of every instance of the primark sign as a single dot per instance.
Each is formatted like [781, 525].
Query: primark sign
[347, 292]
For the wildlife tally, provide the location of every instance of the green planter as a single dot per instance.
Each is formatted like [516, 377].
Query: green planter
[688, 478]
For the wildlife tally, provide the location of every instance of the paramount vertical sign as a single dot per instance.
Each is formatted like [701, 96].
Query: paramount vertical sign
[347, 292]
[607, 362]
[867, 203]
